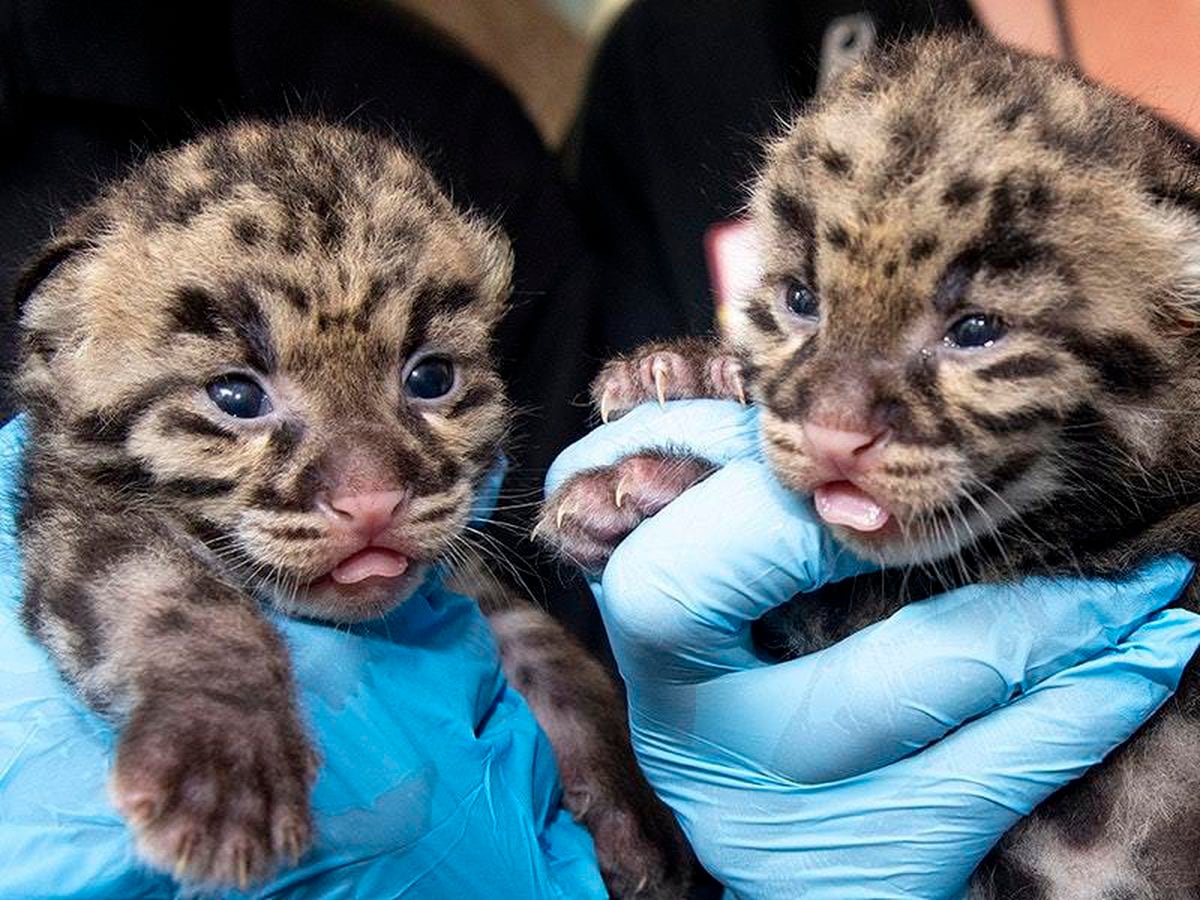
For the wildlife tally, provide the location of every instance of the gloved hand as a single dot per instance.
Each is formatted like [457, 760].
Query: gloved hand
[849, 773]
[435, 782]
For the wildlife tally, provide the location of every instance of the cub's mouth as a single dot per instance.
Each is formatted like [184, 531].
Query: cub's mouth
[367, 584]
[846, 504]
[370, 562]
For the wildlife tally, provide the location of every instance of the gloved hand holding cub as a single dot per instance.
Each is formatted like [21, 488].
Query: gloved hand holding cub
[890, 763]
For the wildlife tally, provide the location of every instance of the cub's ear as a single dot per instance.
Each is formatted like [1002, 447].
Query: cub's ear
[43, 266]
[497, 259]
[1177, 200]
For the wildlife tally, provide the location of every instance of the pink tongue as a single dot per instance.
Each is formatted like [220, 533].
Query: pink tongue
[367, 563]
[841, 503]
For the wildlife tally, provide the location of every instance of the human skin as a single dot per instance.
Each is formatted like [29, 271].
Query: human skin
[1143, 50]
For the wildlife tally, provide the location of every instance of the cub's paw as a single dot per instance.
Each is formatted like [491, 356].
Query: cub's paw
[642, 852]
[593, 511]
[686, 369]
[218, 798]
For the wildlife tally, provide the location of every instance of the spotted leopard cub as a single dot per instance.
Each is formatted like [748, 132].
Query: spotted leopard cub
[259, 371]
[976, 346]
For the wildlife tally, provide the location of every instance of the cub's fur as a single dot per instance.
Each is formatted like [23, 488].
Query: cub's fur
[317, 283]
[990, 268]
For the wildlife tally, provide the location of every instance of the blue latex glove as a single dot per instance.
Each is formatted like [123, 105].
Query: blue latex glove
[848, 773]
[436, 780]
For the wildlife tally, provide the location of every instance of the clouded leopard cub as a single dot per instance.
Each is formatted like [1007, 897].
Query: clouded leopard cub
[976, 344]
[259, 371]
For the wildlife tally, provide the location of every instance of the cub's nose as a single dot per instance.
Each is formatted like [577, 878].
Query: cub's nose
[847, 451]
[369, 514]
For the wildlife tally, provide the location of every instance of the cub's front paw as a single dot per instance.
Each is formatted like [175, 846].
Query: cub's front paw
[643, 854]
[687, 369]
[215, 794]
[594, 510]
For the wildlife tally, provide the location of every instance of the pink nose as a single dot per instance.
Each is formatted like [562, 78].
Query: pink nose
[848, 451]
[369, 514]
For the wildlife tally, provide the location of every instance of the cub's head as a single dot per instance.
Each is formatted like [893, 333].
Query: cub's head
[277, 337]
[980, 299]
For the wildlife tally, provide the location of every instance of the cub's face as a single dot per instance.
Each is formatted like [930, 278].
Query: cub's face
[279, 337]
[979, 289]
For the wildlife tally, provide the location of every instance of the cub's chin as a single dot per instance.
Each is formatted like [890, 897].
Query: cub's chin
[885, 531]
[369, 598]
[896, 544]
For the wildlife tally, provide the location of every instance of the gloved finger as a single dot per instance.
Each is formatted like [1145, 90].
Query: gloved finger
[995, 770]
[679, 593]
[904, 683]
[717, 430]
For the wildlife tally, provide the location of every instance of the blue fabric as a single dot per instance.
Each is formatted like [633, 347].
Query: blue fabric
[436, 780]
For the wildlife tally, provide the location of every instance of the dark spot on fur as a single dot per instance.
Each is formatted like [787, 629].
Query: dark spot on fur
[253, 330]
[837, 237]
[122, 476]
[439, 510]
[760, 316]
[1125, 365]
[284, 440]
[913, 471]
[1181, 195]
[1014, 422]
[1013, 112]
[185, 206]
[794, 214]
[475, 396]
[1025, 365]
[1013, 468]
[248, 231]
[952, 290]
[835, 162]
[197, 488]
[962, 191]
[376, 291]
[914, 140]
[786, 394]
[431, 301]
[170, 621]
[923, 247]
[195, 311]
[291, 236]
[296, 296]
[112, 426]
[179, 421]
[294, 532]
[267, 497]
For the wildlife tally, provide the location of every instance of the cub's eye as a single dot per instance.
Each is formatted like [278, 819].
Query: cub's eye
[429, 379]
[799, 299]
[975, 330]
[239, 396]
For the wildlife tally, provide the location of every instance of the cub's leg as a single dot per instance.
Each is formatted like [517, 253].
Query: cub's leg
[593, 511]
[213, 768]
[641, 850]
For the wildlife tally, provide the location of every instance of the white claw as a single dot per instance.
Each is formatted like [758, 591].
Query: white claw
[738, 385]
[659, 369]
[560, 515]
[243, 870]
[605, 405]
[185, 856]
[621, 492]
